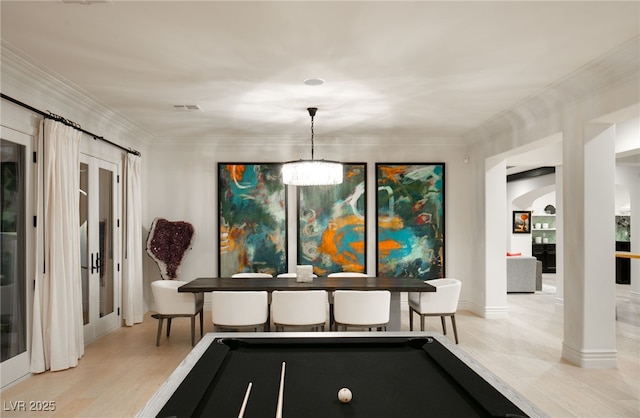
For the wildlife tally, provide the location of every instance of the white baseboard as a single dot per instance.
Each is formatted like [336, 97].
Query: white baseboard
[591, 358]
[489, 312]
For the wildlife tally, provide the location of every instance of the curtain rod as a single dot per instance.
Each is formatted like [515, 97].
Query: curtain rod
[67, 122]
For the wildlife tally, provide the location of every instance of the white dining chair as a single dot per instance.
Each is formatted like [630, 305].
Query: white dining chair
[249, 275]
[341, 274]
[347, 274]
[171, 304]
[240, 309]
[443, 302]
[361, 308]
[299, 308]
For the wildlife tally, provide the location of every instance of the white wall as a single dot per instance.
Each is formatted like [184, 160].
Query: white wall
[628, 135]
[564, 108]
[179, 179]
[538, 205]
[182, 186]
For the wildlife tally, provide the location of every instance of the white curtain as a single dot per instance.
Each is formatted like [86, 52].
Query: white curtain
[132, 297]
[57, 342]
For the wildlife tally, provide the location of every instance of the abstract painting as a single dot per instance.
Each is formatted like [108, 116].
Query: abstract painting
[410, 220]
[252, 219]
[331, 223]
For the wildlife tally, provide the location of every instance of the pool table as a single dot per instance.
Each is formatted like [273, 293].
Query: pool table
[391, 374]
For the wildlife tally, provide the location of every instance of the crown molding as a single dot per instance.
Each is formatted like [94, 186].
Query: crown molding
[46, 90]
[620, 65]
[293, 141]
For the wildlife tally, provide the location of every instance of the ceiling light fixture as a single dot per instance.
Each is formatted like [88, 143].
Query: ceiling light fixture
[313, 81]
[312, 172]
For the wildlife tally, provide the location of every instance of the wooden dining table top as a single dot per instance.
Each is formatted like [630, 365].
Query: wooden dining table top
[392, 284]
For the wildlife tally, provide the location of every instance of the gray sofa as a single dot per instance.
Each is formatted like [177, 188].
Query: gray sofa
[524, 274]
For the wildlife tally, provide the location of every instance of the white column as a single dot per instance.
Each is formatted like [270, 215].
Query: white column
[496, 220]
[589, 262]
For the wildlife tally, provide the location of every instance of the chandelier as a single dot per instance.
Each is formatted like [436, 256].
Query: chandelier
[312, 172]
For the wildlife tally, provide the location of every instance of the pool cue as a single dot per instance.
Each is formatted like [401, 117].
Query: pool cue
[280, 392]
[244, 402]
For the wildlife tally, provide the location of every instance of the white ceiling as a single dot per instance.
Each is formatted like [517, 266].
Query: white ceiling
[420, 69]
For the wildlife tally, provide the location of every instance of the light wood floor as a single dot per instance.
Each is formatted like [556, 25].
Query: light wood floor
[120, 371]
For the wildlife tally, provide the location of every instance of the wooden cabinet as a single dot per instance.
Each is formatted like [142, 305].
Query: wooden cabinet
[546, 253]
[623, 265]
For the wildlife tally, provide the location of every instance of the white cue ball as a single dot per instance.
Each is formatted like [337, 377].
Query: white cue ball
[344, 395]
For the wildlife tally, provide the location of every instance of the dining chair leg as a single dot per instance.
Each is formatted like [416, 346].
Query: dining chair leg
[421, 322]
[193, 330]
[444, 326]
[160, 319]
[201, 324]
[455, 331]
[410, 319]
[168, 326]
[331, 318]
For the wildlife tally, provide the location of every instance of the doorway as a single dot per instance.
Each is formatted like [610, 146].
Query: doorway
[99, 246]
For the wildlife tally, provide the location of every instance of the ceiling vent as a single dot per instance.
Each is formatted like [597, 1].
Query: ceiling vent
[186, 108]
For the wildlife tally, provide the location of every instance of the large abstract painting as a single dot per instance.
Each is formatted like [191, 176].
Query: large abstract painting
[410, 220]
[252, 216]
[331, 223]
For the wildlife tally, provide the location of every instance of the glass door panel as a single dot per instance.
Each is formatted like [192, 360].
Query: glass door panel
[16, 264]
[106, 242]
[84, 239]
[98, 243]
[12, 253]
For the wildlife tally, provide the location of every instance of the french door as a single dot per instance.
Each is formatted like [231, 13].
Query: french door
[99, 246]
[16, 263]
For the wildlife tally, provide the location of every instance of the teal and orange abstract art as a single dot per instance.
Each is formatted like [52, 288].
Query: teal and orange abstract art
[410, 220]
[252, 219]
[331, 223]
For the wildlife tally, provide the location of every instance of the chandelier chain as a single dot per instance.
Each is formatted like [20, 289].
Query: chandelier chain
[312, 137]
[312, 172]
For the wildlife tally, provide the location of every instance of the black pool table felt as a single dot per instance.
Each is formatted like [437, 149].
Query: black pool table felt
[403, 377]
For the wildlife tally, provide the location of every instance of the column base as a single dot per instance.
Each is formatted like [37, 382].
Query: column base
[591, 358]
[489, 312]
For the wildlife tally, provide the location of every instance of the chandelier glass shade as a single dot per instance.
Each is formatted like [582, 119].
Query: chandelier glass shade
[312, 172]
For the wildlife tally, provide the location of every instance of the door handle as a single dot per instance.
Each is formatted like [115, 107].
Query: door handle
[96, 263]
[93, 266]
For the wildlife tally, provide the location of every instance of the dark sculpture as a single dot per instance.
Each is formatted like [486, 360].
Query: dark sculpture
[168, 244]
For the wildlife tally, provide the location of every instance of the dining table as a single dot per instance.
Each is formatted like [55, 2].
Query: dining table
[395, 285]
